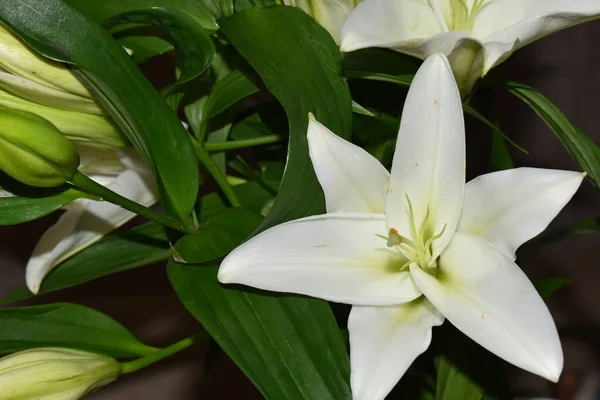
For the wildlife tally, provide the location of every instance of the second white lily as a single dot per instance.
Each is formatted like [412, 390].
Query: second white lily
[477, 35]
[409, 248]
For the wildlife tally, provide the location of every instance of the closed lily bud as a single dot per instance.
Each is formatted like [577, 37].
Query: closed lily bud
[54, 373]
[331, 14]
[30, 82]
[33, 151]
[17, 58]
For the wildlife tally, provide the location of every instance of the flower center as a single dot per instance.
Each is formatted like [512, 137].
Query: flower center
[464, 18]
[419, 250]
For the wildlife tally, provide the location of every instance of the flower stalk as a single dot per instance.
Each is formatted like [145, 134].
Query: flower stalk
[135, 365]
[90, 186]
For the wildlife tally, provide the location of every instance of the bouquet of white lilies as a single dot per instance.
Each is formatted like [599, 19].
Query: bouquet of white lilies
[285, 184]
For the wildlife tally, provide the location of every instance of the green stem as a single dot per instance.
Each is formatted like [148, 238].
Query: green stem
[88, 185]
[240, 144]
[217, 174]
[135, 365]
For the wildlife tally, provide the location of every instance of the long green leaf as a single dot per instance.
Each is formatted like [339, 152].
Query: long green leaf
[101, 11]
[500, 158]
[301, 68]
[234, 87]
[547, 286]
[380, 65]
[466, 370]
[137, 108]
[195, 49]
[126, 250]
[583, 149]
[453, 384]
[290, 347]
[66, 325]
[221, 233]
[20, 203]
[495, 129]
[283, 344]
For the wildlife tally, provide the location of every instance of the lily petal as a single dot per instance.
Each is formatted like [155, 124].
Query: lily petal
[84, 223]
[100, 163]
[384, 341]
[331, 14]
[352, 179]
[489, 298]
[429, 162]
[507, 208]
[516, 23]
[335, 257]
[408, 26]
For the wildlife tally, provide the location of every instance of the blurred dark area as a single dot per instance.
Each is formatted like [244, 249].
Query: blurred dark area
[564, 67]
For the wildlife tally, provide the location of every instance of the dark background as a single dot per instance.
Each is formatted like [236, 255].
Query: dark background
[564, 66]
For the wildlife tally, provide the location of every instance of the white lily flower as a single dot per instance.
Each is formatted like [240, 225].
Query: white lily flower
[409, 248]
[331, 14]
[480, 33]
[87, 221]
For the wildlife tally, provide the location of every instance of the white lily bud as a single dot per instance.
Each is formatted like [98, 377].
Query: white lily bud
[16, 57]
[331, 14]
[54, 373]
[31, 83]
[78, 126]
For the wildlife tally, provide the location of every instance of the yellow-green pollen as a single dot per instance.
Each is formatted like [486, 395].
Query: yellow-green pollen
[418, 251]
[463, 17]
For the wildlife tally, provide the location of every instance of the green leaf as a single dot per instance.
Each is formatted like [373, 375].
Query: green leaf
[142, 245]
[195, 49]
[123, 91]
[500, 157]
[584, 151]
[377, 135]
[313, 85]
[358, 109]
[252, 195]
[284, 344]
[547, 286]
[381, 65]
[241, 5]
[221, 233]
[66, 325]
[219, 8]
[21, 203]
[465, 370]
[234, 87]
[101, 11]
[495, 129]
[453, 384]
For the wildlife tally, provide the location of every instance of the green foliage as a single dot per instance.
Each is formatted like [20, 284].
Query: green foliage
[221, 233]
[284, 344]
[21, 203]
[583, 149]
[194, 47]
[547, 286]
[137, 247]
[122, 90]
[380, 65]
[66, 325]
[452, 383]
[300, 67]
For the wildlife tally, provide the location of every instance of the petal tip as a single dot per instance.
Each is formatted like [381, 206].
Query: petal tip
[224, 275]
[33, 285]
